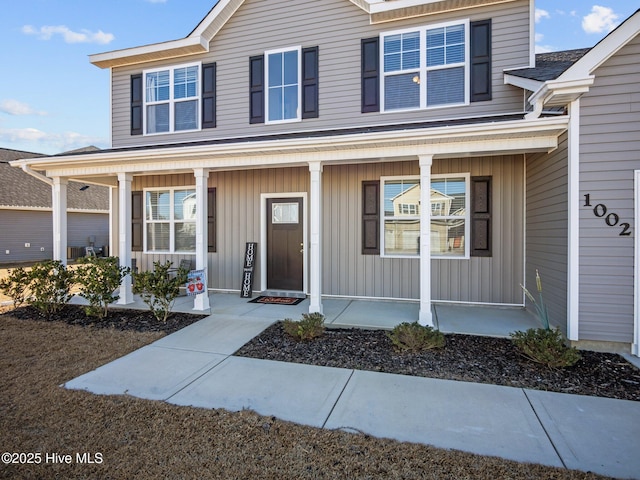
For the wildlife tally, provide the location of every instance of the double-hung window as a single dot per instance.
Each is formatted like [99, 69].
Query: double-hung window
[283, 93]
[450, 225]
[172, 99]
[425, 67]
[170, 217]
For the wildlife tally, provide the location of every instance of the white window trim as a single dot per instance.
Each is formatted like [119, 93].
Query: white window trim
[172, 221]
[298, 117]
[467, 217]
[423, 69]
[171, 101]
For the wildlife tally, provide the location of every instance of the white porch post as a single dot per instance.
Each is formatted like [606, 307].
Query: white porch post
[113, 223]
[315, 244]
[59, 204]
[425, 317]
[124, 232]
[201, 302]
[573, 194]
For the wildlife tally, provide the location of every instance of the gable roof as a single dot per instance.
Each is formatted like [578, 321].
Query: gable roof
[551, 65]
[198, 41]
[19, 189]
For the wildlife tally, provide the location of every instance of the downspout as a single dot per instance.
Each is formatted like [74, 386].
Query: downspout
[43, 178]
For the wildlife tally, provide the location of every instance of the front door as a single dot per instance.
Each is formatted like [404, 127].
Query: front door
[285, 247]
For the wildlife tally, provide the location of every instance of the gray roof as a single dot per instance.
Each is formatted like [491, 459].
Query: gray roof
[19, 189]
[550, 66]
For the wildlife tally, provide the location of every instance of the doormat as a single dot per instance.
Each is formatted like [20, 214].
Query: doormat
[277, 300]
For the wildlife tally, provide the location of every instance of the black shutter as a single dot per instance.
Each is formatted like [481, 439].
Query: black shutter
[256, 89]
[137, 221]
[211, 220]
[371, 217]
[370, 71]
[310, 82]
[481, 61]
[136, 104]
[209, 95]
[481, 216]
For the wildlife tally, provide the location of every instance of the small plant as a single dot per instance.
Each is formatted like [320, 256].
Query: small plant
[545, 346]
[50, 285]
[16, 286]
[159, 288]
[309, 327]
[413, 337]
[541, 308]
[99, 277]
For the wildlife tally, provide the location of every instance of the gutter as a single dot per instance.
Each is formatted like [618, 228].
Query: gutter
[34, 174]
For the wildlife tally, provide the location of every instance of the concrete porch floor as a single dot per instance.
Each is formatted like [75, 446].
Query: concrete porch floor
[346, 313]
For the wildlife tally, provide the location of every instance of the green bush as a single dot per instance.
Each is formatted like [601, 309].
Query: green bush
[16, 286]
[50, 285]
[413, 337]
[159, 288]
[309, 327]
[99, 277]
[545, 346]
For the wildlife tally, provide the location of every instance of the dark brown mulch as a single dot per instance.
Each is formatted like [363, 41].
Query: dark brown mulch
[464, 357]
[124, 319]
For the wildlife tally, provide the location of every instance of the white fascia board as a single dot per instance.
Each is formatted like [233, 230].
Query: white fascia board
[155, 51]
[520, 135]
[223, 10]
[525, 83]
[602, 51]
[559, 92]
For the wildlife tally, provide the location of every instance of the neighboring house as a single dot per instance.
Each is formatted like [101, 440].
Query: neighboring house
[26, 214]
[293, 122]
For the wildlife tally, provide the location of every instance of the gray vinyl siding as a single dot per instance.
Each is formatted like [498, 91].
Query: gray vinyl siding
[609, 146]
[345, 270]
[36, 228]
[546, 230]
[336, 27]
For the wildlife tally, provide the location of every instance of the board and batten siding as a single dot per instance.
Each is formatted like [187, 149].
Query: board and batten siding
[609, 154]
[546, 230]
[336, 27]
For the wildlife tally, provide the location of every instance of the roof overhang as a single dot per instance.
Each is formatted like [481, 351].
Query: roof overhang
[499, 138]
[381, 11]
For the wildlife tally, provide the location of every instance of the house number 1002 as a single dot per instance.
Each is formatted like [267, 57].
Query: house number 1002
[612, 219]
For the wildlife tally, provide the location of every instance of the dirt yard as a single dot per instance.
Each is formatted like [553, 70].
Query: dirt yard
[124, 437]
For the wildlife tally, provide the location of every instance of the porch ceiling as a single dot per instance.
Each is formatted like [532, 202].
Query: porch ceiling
[511, 137]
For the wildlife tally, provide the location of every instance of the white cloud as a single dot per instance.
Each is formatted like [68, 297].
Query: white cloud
[14, 107]
[84, 36]
[34, 140]
[601, 19]
[540, 14]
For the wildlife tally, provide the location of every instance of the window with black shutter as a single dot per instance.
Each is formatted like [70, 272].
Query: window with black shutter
[371, 217]
[481, 61]
[209, 95]
[310, 82]
[136, 104]
[256, 89]
[370, 71]
[481, 216]
[137, 221]
[211, 220]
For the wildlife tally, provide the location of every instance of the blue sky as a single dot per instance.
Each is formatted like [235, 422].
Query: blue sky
[52, 99]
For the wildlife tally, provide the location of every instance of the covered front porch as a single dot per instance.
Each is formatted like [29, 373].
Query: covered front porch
[494, 321]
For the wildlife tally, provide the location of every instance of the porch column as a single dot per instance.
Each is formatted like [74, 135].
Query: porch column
[124, 233]
[425, 317]
[113, 223]
[201, 302]
[315, 230]
[59, 204]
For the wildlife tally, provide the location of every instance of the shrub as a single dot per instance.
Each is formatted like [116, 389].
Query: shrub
[309, 327]
[545, 346]
[16, 286]
[50, 285]
[413, 337]
[99, 277]
[159, 288]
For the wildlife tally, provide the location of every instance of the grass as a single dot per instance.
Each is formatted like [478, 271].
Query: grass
[147, 439]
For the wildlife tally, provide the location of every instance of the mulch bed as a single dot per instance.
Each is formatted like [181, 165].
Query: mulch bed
[464, 357]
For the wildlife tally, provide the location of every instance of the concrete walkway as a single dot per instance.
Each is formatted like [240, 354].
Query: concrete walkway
[195, 366]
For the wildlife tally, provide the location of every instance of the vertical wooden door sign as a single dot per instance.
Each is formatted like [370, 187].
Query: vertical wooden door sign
[247, 271]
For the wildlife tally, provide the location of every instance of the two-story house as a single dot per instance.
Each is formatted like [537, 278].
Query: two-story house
[296, 124]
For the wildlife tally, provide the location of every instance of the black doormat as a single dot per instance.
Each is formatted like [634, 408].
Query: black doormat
[277, 300]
